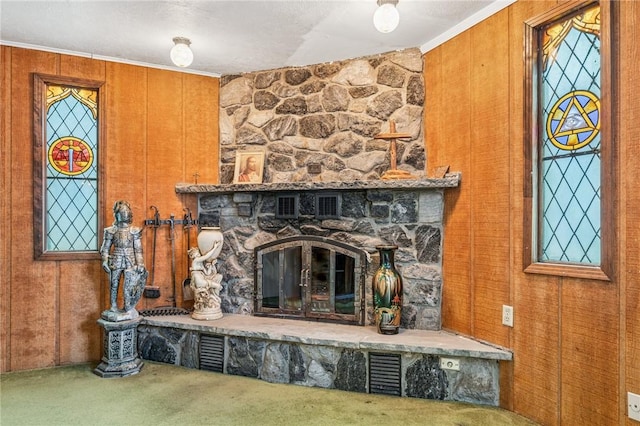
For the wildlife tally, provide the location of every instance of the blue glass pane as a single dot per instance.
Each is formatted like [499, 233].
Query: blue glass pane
[72, 176]
[569, 205]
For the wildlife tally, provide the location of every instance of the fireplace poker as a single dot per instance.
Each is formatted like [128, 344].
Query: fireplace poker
[151, 291]
[172, 238]
[186, 283]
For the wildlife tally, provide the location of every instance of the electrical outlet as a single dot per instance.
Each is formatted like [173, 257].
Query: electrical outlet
[633, 402]
[507, 315]
[450, 364]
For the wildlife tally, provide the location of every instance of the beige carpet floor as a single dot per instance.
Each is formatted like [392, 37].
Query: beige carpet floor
[167, 395]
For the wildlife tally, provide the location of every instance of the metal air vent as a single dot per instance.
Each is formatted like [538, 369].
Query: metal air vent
[327, 206]
[287, 206]
[212, 353]
[385, 374]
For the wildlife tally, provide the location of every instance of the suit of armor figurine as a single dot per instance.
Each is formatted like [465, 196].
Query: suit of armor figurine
[121, 253]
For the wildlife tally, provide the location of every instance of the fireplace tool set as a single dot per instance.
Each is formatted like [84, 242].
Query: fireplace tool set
[151, 291]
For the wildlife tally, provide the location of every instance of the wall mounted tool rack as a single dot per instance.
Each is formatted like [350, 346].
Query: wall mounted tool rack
[186, 221]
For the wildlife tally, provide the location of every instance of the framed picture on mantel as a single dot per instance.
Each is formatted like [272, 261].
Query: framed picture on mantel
[249, 167]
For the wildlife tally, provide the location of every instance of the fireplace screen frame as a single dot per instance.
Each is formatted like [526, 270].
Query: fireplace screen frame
[301, 253]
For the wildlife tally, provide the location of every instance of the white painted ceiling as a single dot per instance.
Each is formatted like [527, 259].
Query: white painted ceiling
[230, 37]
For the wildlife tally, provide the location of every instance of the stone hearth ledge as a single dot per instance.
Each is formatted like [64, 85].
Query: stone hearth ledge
[450, 180]
[336, 335]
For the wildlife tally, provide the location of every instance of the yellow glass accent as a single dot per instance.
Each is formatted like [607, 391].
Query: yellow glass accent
[573, 121]
[588, 22]
[87, 97]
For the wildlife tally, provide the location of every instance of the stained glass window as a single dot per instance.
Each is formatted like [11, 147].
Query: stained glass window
[569, 170]
[70, 169]
[570, 173]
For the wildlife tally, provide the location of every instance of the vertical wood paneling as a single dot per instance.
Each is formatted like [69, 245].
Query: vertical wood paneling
[567, 333]
[537, 362]
[79, 281]
[165, 156]
[589, 352]
[5, 209]
[448, 141]
[50, 308]
[490, 162]
[201, 129]
[629, 140]
[201, 153]
[125, 148]
[535, 338]
[33, 292]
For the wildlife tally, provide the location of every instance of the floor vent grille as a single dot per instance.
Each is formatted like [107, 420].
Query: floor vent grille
[385, 374]
[212, 353]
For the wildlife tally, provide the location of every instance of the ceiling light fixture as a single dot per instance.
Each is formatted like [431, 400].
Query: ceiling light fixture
[181, 53]
[386, 18]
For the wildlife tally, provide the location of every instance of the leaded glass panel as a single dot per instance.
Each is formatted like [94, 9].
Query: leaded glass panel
[569, 214]
[71, 219]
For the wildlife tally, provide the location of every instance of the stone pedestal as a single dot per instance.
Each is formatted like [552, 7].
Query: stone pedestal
[120, 357]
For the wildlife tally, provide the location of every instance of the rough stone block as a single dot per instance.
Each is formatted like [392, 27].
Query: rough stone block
[404, 209]
[244, 357]
[428, 244]
[380, 211]
[275, 364]
[430, 207]
[477, 382]
[242, 197]
[380, 196]
[423, 377]
[351, 371]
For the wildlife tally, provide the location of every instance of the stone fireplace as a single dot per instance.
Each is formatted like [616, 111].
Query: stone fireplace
[302, 244]
[371, 213]
[421, 361]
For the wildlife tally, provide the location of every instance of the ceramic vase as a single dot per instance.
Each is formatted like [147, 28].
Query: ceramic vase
[387, 292]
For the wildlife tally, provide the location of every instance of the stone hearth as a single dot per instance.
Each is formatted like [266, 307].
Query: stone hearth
[330, 356]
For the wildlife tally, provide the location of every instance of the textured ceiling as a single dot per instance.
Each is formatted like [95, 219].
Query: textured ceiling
[230, 37]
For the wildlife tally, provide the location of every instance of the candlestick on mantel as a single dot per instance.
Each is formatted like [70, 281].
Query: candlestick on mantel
[392, 136]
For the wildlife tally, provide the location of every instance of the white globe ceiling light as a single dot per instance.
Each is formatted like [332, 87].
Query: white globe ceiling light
[386, 18]
[181, 53]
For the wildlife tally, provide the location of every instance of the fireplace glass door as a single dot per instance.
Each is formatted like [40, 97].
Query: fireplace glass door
[310, 277]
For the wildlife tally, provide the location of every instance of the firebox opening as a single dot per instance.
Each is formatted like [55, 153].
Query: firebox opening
[311, 278]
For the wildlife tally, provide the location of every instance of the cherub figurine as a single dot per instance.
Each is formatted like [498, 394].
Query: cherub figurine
[205, 283]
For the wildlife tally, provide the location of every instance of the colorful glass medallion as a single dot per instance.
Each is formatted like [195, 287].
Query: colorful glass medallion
[70, 156]
[574, 120]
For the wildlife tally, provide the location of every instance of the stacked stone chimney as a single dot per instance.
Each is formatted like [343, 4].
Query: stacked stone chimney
[325, 116]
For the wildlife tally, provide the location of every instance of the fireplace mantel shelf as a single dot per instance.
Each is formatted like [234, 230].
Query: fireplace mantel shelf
[451, 180]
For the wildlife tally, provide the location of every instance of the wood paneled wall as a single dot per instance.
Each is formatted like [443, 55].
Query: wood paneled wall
[161, 128]
[576, 343]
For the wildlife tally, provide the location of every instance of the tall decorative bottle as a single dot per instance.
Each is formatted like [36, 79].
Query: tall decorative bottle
[387, 292]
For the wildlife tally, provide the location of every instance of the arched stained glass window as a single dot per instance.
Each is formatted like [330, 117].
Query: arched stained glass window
[570, 153]
[569, 181]
[67, 150]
